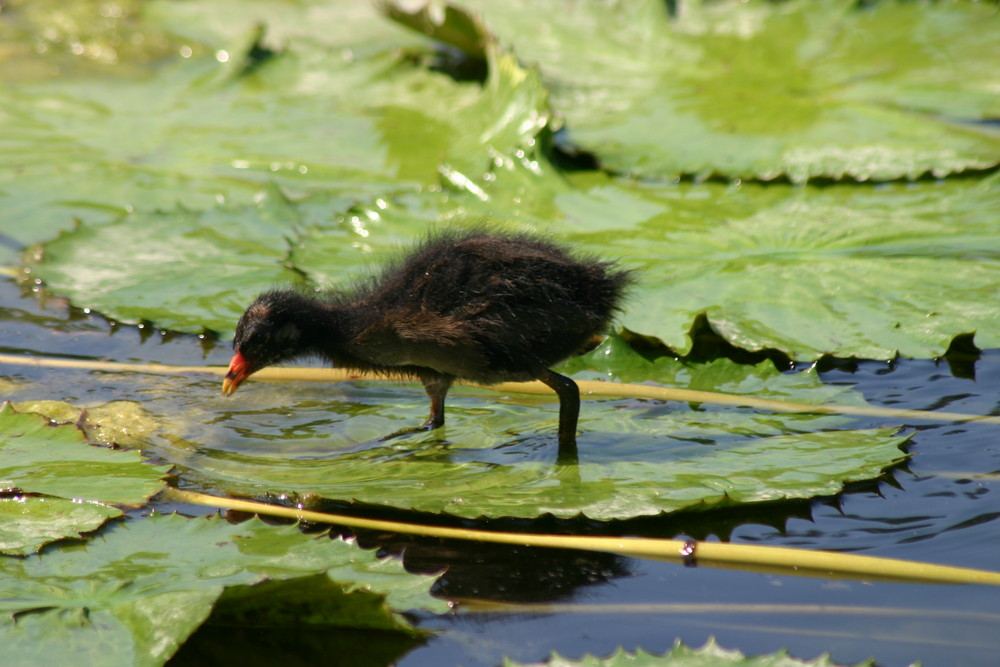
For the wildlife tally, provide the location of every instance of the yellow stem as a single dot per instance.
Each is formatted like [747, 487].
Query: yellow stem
[773, 560]
[587, 388]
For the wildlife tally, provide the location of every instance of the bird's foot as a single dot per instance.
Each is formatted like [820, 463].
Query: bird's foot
[428, 425]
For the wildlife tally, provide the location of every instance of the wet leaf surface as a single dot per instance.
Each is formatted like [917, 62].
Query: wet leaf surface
[497, 455]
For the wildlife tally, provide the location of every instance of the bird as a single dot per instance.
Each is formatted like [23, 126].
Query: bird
[475, 305]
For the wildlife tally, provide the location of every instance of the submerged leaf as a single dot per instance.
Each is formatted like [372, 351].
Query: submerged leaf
[58, 485]
[122, 423]
[684, 656]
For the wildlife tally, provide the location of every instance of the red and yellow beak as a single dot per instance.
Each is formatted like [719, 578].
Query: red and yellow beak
[239, 369]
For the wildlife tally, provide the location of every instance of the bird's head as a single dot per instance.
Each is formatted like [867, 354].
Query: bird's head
[268, 333]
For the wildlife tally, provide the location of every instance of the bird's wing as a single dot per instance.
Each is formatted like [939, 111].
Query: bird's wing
[426, 339]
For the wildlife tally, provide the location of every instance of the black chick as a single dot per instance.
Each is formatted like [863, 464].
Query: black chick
[473, 305]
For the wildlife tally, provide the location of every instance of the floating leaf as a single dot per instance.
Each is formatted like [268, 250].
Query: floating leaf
[133, 596]
[310, 117]
[867, 273]
[760, 90]
[184, 270]
[341, 23]
[496, 456]
[61, 485]
[29, 522]
[189, 270]
[838, 271]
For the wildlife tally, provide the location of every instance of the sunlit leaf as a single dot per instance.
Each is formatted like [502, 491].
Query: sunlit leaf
[346, 24]
[29, 522]
[185, 270]
[310, 116]
[760, 90]
[862, 271]
[50, 38]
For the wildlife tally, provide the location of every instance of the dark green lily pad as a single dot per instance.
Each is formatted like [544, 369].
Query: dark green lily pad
[133, 596]
[760, 90]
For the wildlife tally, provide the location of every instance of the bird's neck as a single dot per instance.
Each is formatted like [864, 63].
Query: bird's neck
[321, 328]
[328, 330]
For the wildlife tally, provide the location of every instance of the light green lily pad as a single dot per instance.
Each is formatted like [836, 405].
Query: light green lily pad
[838, 271]
[682, 655]
[50, 38]
[135, 595]
[56, 485]
[346, 24]
[869, 273]
[183, 270]
[219, 127]
[760, 90]
[191, 268]
[496, 455]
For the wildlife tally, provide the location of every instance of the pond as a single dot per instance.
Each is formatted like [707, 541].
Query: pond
[815, 180]
[524, 603]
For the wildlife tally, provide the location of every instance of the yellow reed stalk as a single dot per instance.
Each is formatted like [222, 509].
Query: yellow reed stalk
[587, 388]
[772, 560]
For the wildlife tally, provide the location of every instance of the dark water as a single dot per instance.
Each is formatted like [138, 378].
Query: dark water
[940, 506]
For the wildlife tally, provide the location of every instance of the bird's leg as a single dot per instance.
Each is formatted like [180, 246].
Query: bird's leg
[569, 410]
[437, 387]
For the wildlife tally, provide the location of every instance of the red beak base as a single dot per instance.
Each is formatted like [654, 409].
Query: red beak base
[239, 369]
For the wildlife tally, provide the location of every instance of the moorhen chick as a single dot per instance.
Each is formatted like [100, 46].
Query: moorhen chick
[471, 305]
